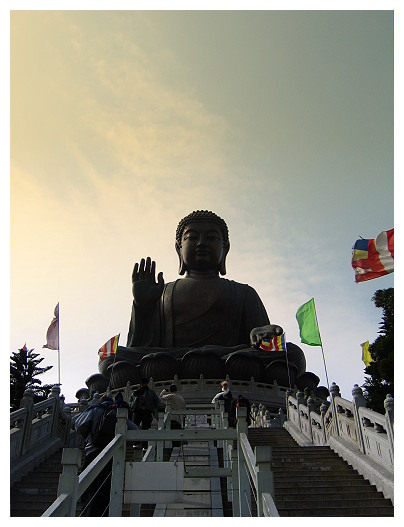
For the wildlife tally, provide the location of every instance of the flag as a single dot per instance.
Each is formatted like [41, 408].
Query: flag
[373, 258]
[275, 344]
[24, 348]
[109, 348]
[307, 320]
[366, 356]
[52, 335]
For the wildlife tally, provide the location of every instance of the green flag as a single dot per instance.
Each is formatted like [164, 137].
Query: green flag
[307, 320]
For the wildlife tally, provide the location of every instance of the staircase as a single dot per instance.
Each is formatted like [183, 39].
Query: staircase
[308, 481]
[38, 489]
[315, 481]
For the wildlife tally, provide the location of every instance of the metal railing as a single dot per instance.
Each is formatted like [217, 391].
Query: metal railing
[236, 453]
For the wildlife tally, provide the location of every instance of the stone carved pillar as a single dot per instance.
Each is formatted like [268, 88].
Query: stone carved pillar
[27, 402]
[358, 401]
[289, 392]
[323, 410]
[68, 481]
[334, 392]
[311, 408]
[389, 407]
[300, 400]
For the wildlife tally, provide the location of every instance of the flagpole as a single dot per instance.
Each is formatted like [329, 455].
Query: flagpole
[287, 364]
[59, 344]
[322, 350]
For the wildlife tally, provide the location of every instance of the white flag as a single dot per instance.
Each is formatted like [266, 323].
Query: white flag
[52, 335]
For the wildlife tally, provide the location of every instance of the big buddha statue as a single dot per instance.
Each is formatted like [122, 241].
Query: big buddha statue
[201, 323]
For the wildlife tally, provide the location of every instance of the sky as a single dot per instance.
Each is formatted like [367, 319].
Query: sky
[123, 122]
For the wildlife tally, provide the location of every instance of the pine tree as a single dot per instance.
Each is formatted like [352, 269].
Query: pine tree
[24, 372]
[381, 370]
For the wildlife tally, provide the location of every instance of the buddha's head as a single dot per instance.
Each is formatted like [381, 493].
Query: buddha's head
[202, 242]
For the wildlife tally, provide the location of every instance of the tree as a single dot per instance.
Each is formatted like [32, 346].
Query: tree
[381, 370]
[24, 370]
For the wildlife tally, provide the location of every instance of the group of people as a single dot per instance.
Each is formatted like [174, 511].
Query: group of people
[231, 405]
[143, 406]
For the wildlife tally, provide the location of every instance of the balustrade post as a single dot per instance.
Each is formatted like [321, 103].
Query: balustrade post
[69, 480]
[282, 417]
[201, 383]
[289, 392]
[265, 479]
[27, 402]
[389, 407]
[118, 465]
[221, 410]
[55, 394]
[160, 444]
[254, 414]
[127, 392]
[334, 392]
[267, 419]
[358, 400]
[300, 400]
[323, 410]
[311, 408]
[235, 491]
[243, 479]
[252, 385]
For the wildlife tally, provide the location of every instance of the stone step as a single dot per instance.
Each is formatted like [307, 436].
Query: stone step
[313, 472]
[39, 503]
[308, 462]
[319, 479]
[338, 512]
[20, 513]
[345, 503]
[29, 489]
[318, 496]
[321, 483]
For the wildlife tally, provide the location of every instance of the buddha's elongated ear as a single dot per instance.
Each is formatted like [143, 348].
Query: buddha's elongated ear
[222, 265]
[182, 267]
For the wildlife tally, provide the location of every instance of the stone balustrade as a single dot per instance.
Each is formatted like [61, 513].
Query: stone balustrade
[36, 430]
[361, 436]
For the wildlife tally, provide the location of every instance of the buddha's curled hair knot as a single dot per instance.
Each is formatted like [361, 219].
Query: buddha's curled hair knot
[202, 216]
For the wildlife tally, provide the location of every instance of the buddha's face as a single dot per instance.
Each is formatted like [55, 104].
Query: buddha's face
[202, 247]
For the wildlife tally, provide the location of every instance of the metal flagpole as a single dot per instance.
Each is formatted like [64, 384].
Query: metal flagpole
[58, 343]
[322, 350]
[287, 363]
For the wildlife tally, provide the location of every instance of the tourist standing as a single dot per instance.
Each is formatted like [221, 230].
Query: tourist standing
[144, 404]
[225, 395]
[177, 403]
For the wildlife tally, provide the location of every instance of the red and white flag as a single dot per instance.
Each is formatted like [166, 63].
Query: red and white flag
[373, 258]
[52, 335]
[109, 348]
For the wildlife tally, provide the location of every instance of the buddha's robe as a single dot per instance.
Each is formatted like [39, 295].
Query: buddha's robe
[193, 313]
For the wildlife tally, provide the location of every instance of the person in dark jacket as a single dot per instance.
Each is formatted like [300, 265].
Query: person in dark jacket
[240, 402]
[95, 499]
[224, 395]
[144, 403]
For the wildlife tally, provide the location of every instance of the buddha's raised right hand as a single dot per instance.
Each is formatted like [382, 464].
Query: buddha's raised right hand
[146, 291]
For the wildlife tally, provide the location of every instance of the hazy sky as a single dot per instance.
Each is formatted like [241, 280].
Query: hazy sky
[123, 122]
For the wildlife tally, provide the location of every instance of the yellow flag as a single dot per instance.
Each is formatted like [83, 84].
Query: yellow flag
[366, 356]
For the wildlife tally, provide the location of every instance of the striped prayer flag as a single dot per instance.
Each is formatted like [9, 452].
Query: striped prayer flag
[373, 258]
[109, 348]
[275, 344]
